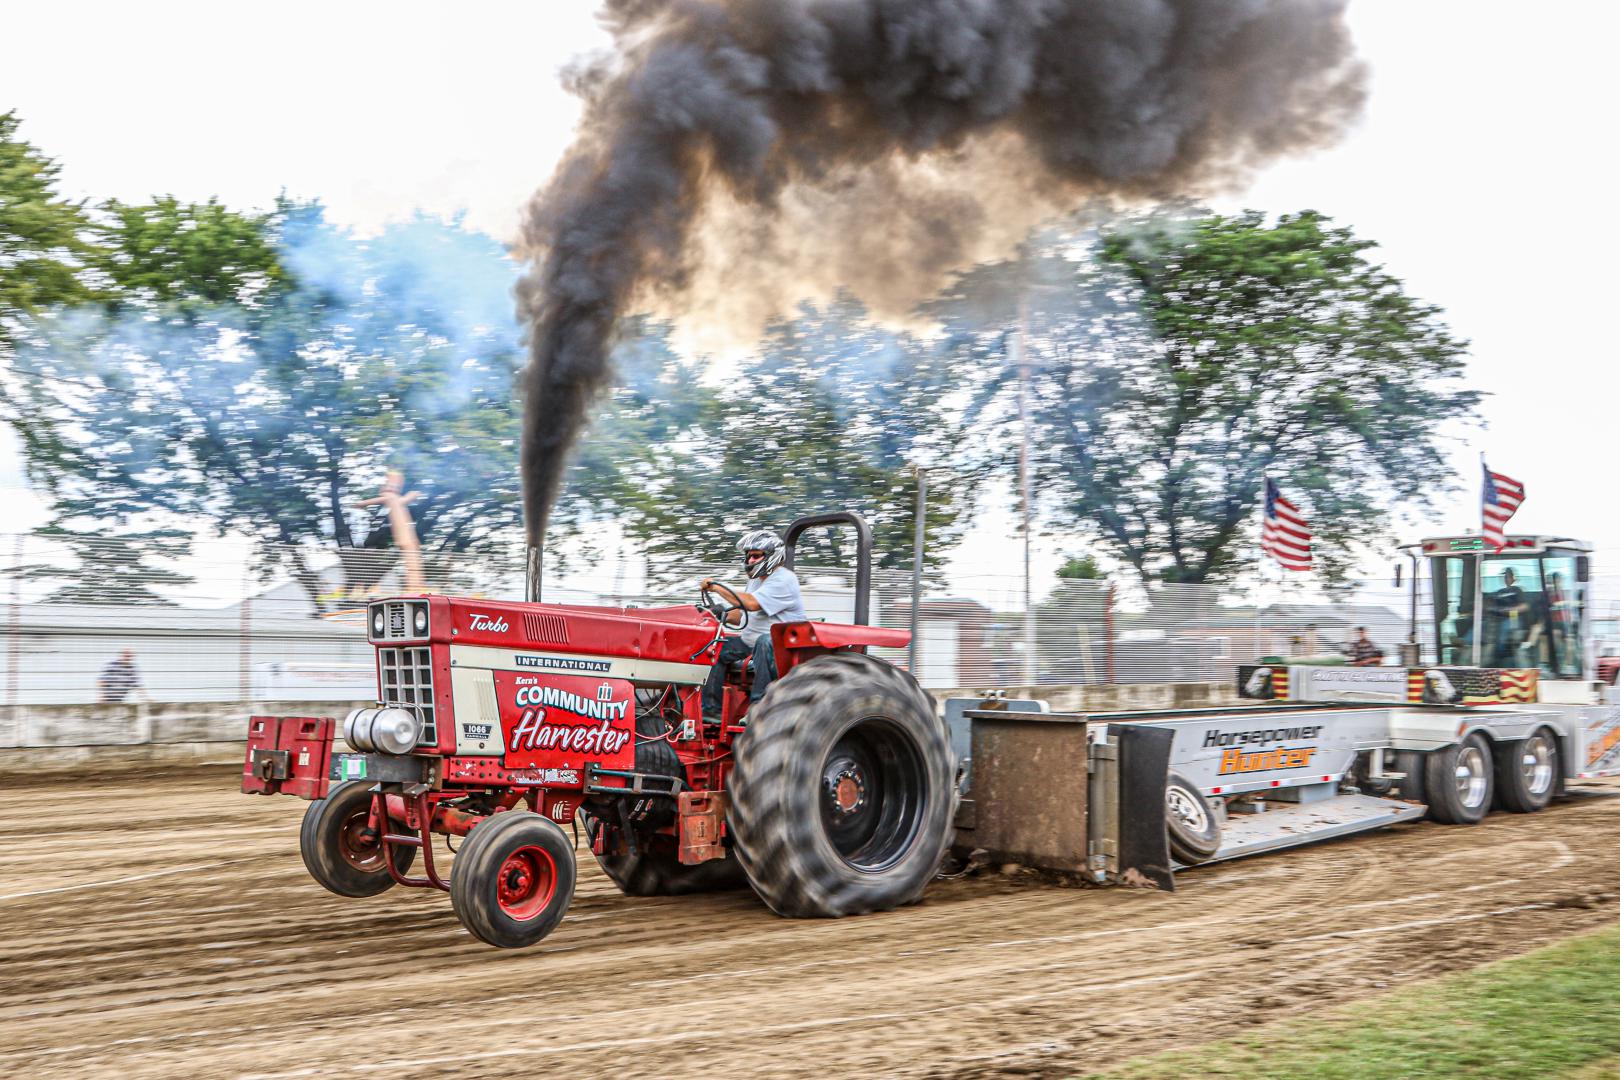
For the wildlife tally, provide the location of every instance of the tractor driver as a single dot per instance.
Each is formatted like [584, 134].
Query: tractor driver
[770, 595]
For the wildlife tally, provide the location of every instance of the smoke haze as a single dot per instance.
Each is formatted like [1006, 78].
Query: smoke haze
[737, 154]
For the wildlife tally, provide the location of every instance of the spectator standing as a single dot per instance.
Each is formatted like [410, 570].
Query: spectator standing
[120, 678]
[1363, 653]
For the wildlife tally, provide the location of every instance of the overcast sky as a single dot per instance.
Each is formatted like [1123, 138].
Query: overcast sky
[1482, 166]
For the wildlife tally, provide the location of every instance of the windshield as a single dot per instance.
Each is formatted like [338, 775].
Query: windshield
[1530, 615]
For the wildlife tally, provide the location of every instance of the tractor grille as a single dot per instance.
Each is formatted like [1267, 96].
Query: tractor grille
[550, 628]
[405, 678]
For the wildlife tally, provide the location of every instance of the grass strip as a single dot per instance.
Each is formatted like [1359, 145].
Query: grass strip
[1551, 1012]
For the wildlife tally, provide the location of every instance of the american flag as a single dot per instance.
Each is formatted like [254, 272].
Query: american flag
[1499, 498]
[1518, 684]
[1491, 686]
[1285, 536]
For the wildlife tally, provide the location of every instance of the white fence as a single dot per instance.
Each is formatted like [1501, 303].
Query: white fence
[229, 635]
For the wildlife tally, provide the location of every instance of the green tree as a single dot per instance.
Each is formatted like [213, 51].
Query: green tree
[619, 470]
[47, 243]
[1080, 568]
[119, 569]
[259, 373]
[831, 413]
[190, 256]
[1174, 363]
[48, 259]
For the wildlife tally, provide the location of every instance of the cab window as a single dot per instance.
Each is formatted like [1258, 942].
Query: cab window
[1563, 607]
[1453, 578]
[1511, 632]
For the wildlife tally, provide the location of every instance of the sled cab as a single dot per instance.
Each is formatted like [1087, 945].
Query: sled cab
[1521, 607]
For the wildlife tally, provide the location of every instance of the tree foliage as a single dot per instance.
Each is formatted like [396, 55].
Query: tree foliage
[47, 244]
[190, 256]
[117, 569]
[260, 373]
[1080, 568]
[830, 413]
[1175, 363]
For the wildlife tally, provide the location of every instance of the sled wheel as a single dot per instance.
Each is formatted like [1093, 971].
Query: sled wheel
[844, 788]
[1527, 773]
[1459, 781]
[1195, 835]
[513, 879]
[656, 870]
[1411, 786]
[1367, 785]
[340, 850]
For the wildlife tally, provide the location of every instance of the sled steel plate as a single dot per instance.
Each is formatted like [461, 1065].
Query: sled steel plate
[1029, 788]
[1285, 825]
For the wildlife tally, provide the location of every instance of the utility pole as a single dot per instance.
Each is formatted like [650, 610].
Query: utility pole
[14, 639]
[1024, 485]
[917, 564]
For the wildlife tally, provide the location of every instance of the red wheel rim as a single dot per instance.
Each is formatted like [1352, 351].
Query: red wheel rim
[527, 882]
[359, 851]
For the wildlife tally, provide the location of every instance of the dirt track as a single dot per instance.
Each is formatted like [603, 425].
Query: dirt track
[165, 927]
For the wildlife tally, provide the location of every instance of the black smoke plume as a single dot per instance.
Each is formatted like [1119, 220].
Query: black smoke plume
[735, 152]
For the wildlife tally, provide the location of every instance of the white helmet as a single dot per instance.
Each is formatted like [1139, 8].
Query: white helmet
[766, 541]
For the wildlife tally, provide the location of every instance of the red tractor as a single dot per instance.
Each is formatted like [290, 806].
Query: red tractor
[503, 722]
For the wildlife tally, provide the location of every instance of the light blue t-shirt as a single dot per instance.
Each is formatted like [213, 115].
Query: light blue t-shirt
[779, 601]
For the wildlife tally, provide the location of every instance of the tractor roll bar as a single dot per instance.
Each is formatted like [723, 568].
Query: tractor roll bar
[863, 554]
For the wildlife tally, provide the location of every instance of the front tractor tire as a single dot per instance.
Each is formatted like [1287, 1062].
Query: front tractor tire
[842, 797]
[513, 879]
[341, 851]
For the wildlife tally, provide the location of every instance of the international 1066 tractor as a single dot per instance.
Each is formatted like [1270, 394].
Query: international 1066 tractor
[503, 722]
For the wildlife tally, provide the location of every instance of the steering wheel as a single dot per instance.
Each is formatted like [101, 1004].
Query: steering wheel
[716, 604]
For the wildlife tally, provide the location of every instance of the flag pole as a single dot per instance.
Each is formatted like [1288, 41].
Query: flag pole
[1476, 650]
[1259, 572]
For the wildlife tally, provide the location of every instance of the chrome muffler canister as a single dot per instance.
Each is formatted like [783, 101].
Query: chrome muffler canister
[388, 729]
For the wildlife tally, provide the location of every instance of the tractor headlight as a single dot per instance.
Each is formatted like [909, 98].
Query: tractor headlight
[419, 620]
[376, 620]
[395, 731]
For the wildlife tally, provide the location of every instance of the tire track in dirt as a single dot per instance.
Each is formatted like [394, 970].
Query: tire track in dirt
[244, 967]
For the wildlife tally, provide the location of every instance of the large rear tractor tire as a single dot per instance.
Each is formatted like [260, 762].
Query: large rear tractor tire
[340, 851]
[513, 879]
[1195, 834]
[1527, 773]
[656, 870]
[1459, 782]
[842, 797]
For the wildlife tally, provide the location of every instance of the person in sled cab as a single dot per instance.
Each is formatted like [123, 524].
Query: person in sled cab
[770, 595]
